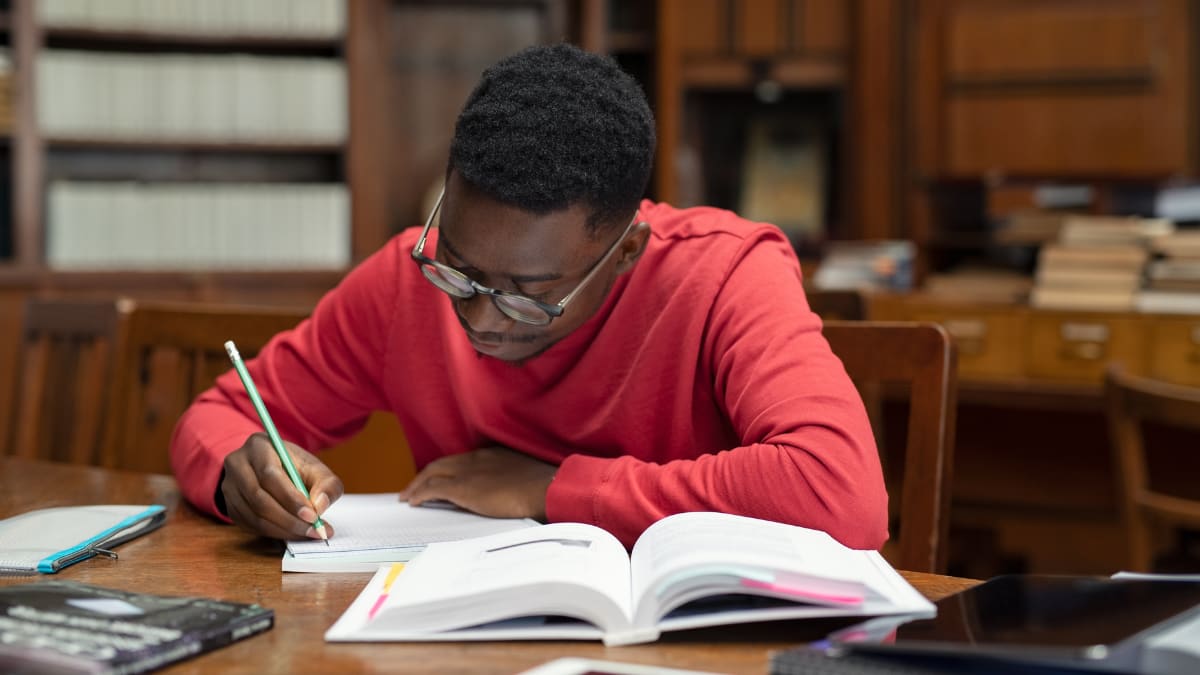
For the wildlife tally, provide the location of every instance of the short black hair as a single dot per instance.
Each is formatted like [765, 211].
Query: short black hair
[553, 126]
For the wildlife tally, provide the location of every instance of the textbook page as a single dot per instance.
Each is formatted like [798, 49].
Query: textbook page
[370, 529]
[563, 569]
[690, 556]
[544, 582]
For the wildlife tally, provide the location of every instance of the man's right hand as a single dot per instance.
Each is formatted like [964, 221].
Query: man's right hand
[261, 498]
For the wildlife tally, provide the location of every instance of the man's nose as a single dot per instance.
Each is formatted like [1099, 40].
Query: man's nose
[482, 315]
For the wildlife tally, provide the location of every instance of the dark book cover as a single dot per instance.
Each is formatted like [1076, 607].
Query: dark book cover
[69, 627]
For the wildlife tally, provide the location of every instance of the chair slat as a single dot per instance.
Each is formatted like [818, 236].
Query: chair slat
[64, 376]
[920, 355]
[1131, 402]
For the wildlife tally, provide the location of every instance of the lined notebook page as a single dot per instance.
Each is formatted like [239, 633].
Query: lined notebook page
[365, 522]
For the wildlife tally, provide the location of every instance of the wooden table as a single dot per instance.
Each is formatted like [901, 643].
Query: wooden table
[192, 555]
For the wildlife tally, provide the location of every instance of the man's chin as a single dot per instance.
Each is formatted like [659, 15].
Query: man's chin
[514, 353]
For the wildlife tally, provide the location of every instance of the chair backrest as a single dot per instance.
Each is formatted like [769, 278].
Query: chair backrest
[67, 350]
[1132, 401]
[172, 352]
[921, 356]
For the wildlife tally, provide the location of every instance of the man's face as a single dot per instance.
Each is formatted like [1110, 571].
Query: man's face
[543, 257]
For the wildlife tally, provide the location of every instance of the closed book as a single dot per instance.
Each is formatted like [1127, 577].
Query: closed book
[1111, 257]
[573, 581]
[1081, 299]
[1167, 302]
[68, 627]
[1178, 243]
[1188, 285]
[1188, 270]
[1088, 279]
[1103, 230]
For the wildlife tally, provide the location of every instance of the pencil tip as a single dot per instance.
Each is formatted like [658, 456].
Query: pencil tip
[322, 534]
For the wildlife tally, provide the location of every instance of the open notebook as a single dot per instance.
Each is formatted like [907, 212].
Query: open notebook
[370, 529]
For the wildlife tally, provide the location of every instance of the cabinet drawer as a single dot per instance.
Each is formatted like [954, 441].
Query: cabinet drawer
[1173, 353]
[1078, 346]
[1058, 39]
[989, 342]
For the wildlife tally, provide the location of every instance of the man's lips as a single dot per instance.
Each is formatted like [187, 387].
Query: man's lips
[481, 341]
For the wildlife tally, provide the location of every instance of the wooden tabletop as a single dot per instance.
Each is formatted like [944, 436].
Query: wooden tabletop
[194, 555]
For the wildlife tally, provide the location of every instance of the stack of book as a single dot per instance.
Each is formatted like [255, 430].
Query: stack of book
[1097, 263]
[1173, 278]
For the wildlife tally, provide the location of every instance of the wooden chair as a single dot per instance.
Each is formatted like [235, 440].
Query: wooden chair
[1132, 402]
[67, 349]
[921, 356]
[174, 351]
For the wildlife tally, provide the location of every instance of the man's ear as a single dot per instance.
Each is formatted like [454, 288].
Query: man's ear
[632, 248]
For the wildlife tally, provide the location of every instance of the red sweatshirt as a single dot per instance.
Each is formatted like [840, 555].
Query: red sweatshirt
[703, 383]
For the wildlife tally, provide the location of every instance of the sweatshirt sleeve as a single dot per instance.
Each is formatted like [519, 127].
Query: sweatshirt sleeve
[807, 455]
[320, 381]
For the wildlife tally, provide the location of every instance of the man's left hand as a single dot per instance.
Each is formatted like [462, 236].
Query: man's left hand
[493, 481]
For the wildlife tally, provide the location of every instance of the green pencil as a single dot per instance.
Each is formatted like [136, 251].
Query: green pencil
[272, 432]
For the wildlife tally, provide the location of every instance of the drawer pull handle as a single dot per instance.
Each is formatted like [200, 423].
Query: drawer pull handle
[970, 346]
[1082, 351]
[1073, 331]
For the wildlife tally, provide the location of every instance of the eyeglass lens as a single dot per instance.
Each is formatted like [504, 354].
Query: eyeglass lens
[460, 286]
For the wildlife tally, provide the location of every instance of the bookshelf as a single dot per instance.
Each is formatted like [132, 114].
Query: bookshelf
[130, 117]
[407, 71]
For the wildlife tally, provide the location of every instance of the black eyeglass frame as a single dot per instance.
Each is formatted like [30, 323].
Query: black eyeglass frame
[500, 297]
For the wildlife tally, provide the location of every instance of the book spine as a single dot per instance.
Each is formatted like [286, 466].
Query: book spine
[195, 645]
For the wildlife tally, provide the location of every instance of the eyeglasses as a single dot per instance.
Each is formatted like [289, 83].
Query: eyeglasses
[514, 305]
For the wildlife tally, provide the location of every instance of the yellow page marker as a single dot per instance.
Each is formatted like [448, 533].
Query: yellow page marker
[387, 587]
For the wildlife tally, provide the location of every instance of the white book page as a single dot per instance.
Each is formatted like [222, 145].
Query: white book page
[722, 546]
[365, 522]
[352, 625]
[567, 569]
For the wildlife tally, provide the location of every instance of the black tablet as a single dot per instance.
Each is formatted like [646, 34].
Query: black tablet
[1093, 622]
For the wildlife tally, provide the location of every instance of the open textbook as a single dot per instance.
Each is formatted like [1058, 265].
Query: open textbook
[370, 529]
[575, 581]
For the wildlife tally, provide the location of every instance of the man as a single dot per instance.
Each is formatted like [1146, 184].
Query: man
[557, 348]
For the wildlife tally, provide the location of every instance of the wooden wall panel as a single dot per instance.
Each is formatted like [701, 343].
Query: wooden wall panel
[1053, 88]
[1051, 134]
[760, 27]
[702, 25]
[822, 26]
[874, 125]
[1052, 39]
